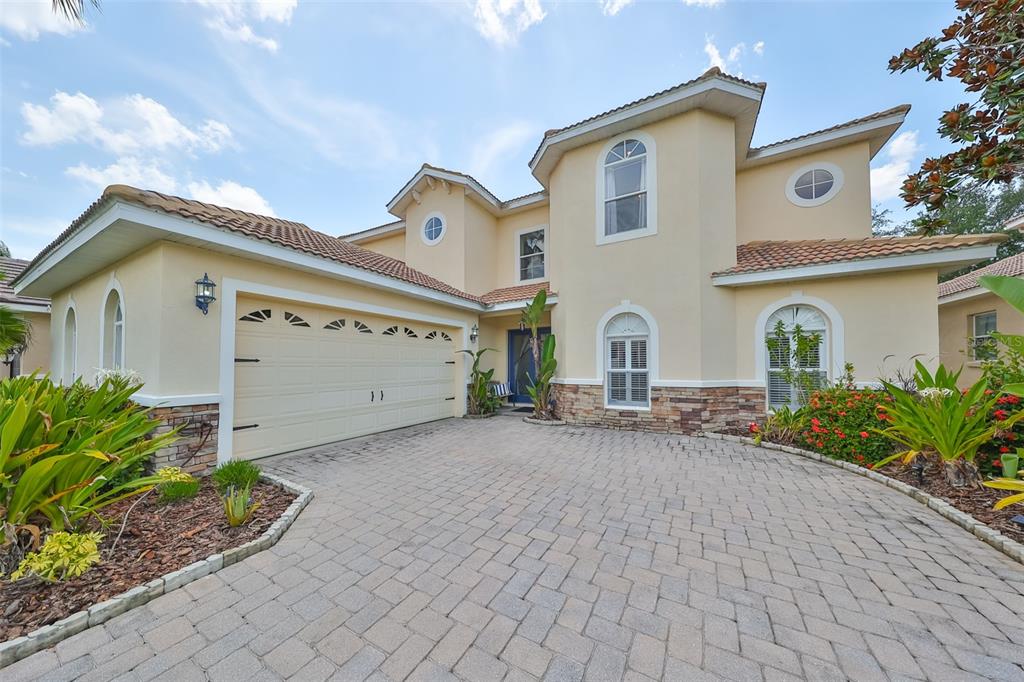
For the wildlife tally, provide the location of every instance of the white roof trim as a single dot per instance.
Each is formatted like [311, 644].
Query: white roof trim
[120, 210]
[860, 267]
[519, 305]
[492, 202]
[713, 83]
[374, 232]
[973, 292]
[147, 400]
[26, 307]
[828, 137]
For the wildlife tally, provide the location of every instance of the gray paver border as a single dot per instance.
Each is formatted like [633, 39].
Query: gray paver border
[21, 647]
[986, 534]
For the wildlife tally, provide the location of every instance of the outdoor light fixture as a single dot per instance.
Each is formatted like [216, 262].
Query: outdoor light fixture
[204, 293]
[474, 333]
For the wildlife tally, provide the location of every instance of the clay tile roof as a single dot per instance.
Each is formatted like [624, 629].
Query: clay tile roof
[523, 292]
[901, 109]
[1010, 266]
[774, 255]
[278, 231]
[713, 72]
[9, 269]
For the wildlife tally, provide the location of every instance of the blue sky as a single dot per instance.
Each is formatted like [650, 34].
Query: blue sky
[320, 111]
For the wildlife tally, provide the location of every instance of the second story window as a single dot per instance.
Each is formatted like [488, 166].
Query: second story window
[625, 188]
[530, 254]
[433, 229]
[814, 184]
[982, 345]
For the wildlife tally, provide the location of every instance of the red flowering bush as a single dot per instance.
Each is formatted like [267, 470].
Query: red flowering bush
[840, 422]
[1004, 441]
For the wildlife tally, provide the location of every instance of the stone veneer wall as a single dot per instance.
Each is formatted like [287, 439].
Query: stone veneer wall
[196, 448]
[673, 410]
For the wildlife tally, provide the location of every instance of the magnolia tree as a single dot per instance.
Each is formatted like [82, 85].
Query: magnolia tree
[984, 49]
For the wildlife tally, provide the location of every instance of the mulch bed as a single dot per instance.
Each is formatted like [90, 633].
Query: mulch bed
[975, 501]
[158, 539]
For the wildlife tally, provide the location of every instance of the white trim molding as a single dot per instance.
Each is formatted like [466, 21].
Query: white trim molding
[423, 226]
[837, 184]
[826, 139]
[69, 377]
[653, 348]
[518, 234]
[945, 257]
[836, 333]
[147, 400]
[43, 309]
[965, 295]
[650, 188]
[232, 287]
[112, 285]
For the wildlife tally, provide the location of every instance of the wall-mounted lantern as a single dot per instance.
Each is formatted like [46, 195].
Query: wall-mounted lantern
[204, 293]
[474, 334]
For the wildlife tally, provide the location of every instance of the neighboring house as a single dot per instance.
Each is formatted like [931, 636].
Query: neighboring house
[35, 357]
[670, 246]
[969, 313]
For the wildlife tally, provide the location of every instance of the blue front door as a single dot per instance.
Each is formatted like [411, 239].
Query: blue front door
[521, 370]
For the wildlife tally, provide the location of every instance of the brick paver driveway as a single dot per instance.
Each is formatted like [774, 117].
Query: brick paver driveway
[496, 549]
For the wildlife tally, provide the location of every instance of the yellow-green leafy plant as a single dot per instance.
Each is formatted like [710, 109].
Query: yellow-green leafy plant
[64, 450]
[238, 506]
[63, 555]
[1008, 484]
[176, 484]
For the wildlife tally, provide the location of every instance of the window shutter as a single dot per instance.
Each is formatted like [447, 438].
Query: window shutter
[638, 354]
[617, 354]
[638, 387]
[617, 386]
[779, 390]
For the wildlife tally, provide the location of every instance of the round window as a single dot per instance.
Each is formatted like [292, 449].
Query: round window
[433, 229]
[815, 184]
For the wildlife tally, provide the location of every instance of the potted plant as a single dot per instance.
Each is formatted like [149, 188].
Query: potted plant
[1011, 463]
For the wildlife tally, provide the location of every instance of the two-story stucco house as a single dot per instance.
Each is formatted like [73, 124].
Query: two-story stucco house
[670, 246]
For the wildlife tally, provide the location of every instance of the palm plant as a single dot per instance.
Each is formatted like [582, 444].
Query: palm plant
[14, 330]
[543, 357]
[73, 10]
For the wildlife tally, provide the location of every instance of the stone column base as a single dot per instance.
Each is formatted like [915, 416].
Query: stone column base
[196, 448]
[673, 410]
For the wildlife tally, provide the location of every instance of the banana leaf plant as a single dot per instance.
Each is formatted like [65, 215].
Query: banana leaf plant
[480, 399]
[539, 389]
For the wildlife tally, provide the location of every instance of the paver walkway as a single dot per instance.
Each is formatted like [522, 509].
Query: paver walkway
[495, 549]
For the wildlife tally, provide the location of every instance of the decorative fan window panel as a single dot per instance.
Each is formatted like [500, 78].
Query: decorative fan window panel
[337, 325]
[256, 316]
[294, 320]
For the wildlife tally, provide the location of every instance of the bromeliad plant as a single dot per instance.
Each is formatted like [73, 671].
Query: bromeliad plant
[543, 356]
[480, 400]
[238, 506]
[942, 423]
[63, 450]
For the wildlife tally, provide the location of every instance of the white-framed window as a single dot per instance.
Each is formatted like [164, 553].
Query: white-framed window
[627, 378]
[434, 227]
[814, 184]
[70, 368]
[782, 355]
[113, 331]
[982, 326]
[531, 254]
[626, 189]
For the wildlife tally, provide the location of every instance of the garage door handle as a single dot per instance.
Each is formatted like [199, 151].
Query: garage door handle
[247, 359]
[243, 428]
[372, 394]
[382, 396]
[449, 362]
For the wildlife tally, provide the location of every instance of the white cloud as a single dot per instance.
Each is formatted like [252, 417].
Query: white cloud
[232, 19]
[128, 125]
[232, 195]
[714, 56]
[503, 21]
[887, 179]
[613, 7]
[702, 3]
[28, 19]
[126, 171]
[759, 48]
[500, 144]
[731, 62]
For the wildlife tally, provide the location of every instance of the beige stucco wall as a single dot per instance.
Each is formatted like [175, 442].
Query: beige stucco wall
[481, 243]
[170, 342]
[764, 212]
[141, 279]
[392, 245]
[445, 260]
[955, 328]
[888, 319]
[666, 273]
[36, 357]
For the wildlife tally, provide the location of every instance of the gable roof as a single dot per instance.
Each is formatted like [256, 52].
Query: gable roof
[10, 268]
[798, 259]
[1011, 266]
[286, 233]
[428, 174]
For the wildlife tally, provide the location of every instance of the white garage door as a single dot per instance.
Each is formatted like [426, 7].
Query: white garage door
[306, 376]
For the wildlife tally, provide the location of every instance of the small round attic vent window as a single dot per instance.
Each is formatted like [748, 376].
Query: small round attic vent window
[814, 185]
[433, 229]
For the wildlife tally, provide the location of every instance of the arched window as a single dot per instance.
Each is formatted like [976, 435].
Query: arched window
[796, 343]
[626, 189]
[70, 368]
[627, 382]
[113, 331]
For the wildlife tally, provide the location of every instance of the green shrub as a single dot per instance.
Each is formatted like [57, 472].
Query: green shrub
[60, 448]
[783, 426]
[176, 485]
[237, 473]
[63, 555]
[238, 506]
[840, 422]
